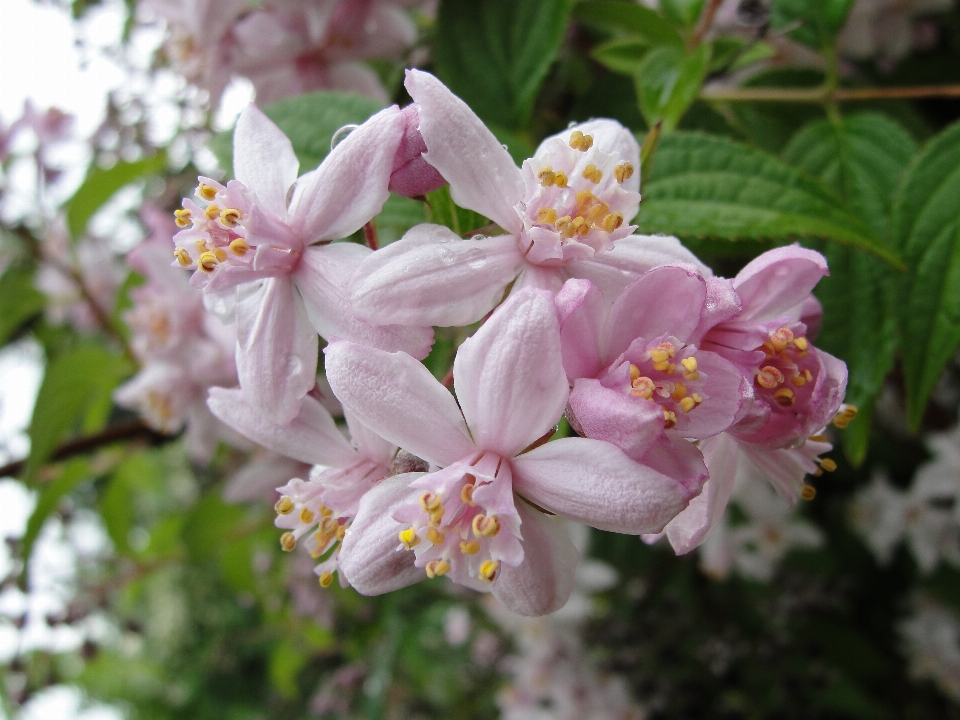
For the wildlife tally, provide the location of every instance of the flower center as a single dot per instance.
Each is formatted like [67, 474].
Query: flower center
[787, 369]
[668, 374]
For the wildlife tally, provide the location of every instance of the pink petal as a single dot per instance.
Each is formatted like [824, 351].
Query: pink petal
[322, 279]
[509, 376]
[594, 483]
[368, 443]
[542, 583]
[727, 393]
[602, 413]
[276, 348]
[413, 176]
[258, 480]
[350, 186]
[432, 277]
[691, 527]
[722, 304]
[612, 138]
[311, 437]
[263, 160]
[581, 310]
[679, 460]
[369, 558]
[481, 173]
[663, 301]
[397, 398]
[778, 281]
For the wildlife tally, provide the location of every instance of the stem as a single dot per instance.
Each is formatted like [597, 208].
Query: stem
[823, 95]
[370, 234]
[706, 22]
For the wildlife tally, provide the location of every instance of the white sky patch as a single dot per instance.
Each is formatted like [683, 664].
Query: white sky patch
[21, 370]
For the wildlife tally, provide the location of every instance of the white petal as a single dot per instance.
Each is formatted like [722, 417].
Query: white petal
[610, 137]
[263, 160]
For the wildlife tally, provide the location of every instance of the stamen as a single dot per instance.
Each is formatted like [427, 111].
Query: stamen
[206, 192]
[326, 579]
[679, 392]
[486, 526]
[846, 414]
[581, 142]
[808, 492]
[288, 541]
[593, 174]
[612, 221]
[801, 344]
[202, 246]
[687, 404]
[784, 397]
[561, 179]
[562, 224]
[769, 377]
[471, 547]
[212, 212]
[580, 226]
[799, 380]
[409, 537]
[325, 511]
[466, 495]
[781, 338]
[239, 247]
[430, 502]
[437, 568]
[634, 372]
[488, 570]
[828, 464]
[306, 515]
[284, 506]
[182, 256]
[182, 217]
[547, 215]
[436, 517]
[207, 262]
[697, 398]
[435, 536]
[623, 172]
[642, 387]
[547, 176]
[230, 217]
[669, 420]
[341, 532]
[220, 254]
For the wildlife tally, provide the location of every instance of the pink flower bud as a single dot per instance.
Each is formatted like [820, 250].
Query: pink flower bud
[413, 176]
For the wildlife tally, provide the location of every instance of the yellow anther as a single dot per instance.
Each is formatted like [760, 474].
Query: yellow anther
[662, 352]
[784, 397]
[689, 364]
[436, 517]
[819, 438]
[592, 173]
[306, 515]
[182, 217]
[561, 179]
[808, 376]
[212, 212]
[326, 579]
[598, 212]
[409, 537]
[697, 398]
[642, 387]
[769, 377]
[284, 506]
[325, 511]
[612, 221]
[329, 525]
[547, 176]
[687, 404]
[239, 247]
[182, 256]
[547, 215]
[581, 142]
[801, 344]
[485, 526]
[220, 254]
[341, 531]
[798, 380]
[322, 542]
[288, 541]
[202, 246]
[207, 262]
[435, 536]
[230, 217]
[580, 226]
[471, 547]
[437, 568]
[634, 372]
[623, 172]
[781, 338]
[562, 224]
[488, 570]
[206, 192]
[669, 419]
[666, 366]
[828, 464]
[430, 502]
[679, 392]
[466, 495]
[808, 492]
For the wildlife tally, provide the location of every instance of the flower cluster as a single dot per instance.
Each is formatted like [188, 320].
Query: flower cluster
[669, 376]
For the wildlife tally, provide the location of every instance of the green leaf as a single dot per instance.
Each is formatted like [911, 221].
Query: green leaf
[117, 503]
[73, 473]
[75, 395]
[668, 81]
[926, 226]
[495, 54]
[19, 299]
[310, 121]
[707, 186]
[816, 22]
[100, 185]
[862, 158]
[398, 215]
[683, 12]
[286, 661]
[630, 18]
[443, 211]
[622, 55]
[210, 526]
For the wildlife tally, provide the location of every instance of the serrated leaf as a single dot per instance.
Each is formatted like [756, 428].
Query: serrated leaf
[75, 395]
[707, 186]
[495, 54]
[668, 81]
[72, 474]
[19, 299]
[630, 18]
[926, 227]
[310, 121]
[862, 158]
[101, 184]
[621, 55]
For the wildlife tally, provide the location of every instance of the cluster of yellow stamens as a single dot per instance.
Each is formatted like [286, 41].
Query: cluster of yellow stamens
[782, 343]
[328, 527]
[643, 387]
[209, 257]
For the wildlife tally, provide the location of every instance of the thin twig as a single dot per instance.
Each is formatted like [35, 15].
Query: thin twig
[370, 234]
[706, 22]
[822, 95]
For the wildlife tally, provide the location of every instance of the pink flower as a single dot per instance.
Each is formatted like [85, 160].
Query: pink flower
[479, 516]
[266, 237]
[639, 379]
[562, 213]
[326, 503]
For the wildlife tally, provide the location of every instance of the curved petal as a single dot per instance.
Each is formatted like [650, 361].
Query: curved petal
[610, 137]
[580, 310]
[350, 185]
[778, 281]
[259, 479]
[369, 558]
[481, 173]
[726, 393]
[509, 376]
[722, 304]
[368, 443]
[276, 348]
[263, 160]
[397, 398]
[594, 483]
[542, 583]
[602, 413]
[322, 279]
[432, 277]
[666, 300]
[311, 437]
[679, 460]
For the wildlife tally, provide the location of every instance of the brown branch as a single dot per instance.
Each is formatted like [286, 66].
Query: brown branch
[823, 95]
[706, 22]
[129, 430]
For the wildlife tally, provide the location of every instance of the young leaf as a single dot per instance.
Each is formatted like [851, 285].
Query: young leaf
[668, 81]
[926, 226]
[19, 299]
[100, 185]
[706, 186]
[683, 12]
[814, 22]
[628, 18]
[621, 55]
[495, 54]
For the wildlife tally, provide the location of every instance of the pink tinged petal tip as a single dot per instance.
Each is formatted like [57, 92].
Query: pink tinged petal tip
[581, 309]
[778, 281]
[263, 160]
